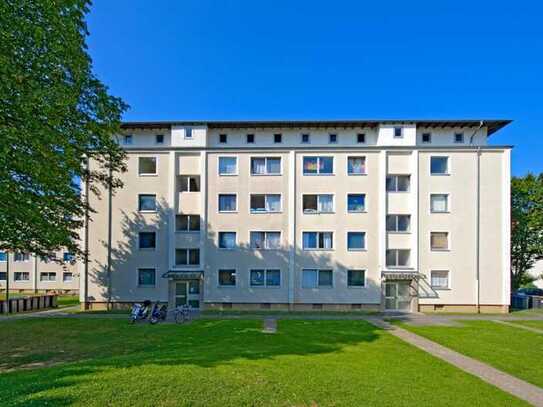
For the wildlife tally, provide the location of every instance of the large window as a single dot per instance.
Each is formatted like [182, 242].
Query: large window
[313, 278]
[262, 203]
[397, 183]
[227, 277]
[266, 165]
[439, 279]
[439, 240]
[189, 184]
[21, 276]
[356, 241]
[228, 203]
[48, 276]
[146, 277]
[356, 165]
[322, 203]
[265, 278]
[398, 223]
[146, 203]
[20, 256]
[67, 277]
[356, 202]
[147, 240]
[265, 240]
[228, 166]
[439, 165]
[187, 223]
[187, 257]
[147, 166]
[439, 203]
[227, 240]
[397, 257]
[356, 278]
[318, 165]
[318, 240]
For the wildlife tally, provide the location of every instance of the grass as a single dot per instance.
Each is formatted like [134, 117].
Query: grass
[67, 300]
[538, 324]
[95, 362]
[507, 348]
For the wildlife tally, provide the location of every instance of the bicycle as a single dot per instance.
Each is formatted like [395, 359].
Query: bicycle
[182, 314]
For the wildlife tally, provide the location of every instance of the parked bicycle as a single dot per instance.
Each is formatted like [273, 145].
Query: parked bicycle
[182, 314]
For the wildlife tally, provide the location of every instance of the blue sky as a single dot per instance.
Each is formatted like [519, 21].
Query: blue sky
[215, 60]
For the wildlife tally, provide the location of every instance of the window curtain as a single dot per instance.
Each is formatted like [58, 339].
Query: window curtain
[326, 165]
[227, 240]
[227, 165]
[309, 240]
[310, 165]
[273, 203]
[326, 203]
[356, 203]
[273, 240]
[227, 203]
[326, 240]
[439, 203]
[309, 279]
[439, 240]
[257, 240]
[274, 165]
[357, 165]
[257, 277]
[259, 166]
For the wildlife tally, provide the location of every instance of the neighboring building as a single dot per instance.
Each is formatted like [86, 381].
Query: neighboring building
[334, 215]
[31, 273]
[537, 273]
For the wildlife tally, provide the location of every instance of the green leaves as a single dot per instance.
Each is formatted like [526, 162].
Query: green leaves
[54, 113]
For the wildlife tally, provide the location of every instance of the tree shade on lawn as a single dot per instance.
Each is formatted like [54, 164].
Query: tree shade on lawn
[225, 363]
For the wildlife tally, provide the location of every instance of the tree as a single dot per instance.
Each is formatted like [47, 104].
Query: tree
[526, 226]
[54, 114]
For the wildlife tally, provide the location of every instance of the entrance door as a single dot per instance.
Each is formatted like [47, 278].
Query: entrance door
[187, 292]
[181, 297]
[397, 296]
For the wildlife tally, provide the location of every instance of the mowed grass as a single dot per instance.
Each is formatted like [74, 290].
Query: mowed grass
[514, 350]
[97, 362]
[537, 324]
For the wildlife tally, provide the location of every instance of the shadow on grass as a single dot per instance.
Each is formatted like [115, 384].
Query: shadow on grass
[94, 346]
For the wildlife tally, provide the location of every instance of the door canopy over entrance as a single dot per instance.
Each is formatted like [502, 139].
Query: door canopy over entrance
[183, 275]
[401, 275]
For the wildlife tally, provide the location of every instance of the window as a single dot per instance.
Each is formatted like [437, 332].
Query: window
[194, 287]
[21, 276]
[20, 256]
[397, 257]
[356, 165]
[277, 138]
[361, 138]
[3, 256]
[265, 278]
[439, 279]
[317, 240]
[250, 138]
[159, 139]
[356, 278]
[332, 138]
[318, 165]
[459, 138]
[426, 138]
[265, 165]
[146, 203]
[67, 277]
[398, 223]
[228, 166]
[398, 133]
[227, 240]
[188, 133]
[356, 240]
[146, 277]
[223, 138]
[48, 257]
[313, 278]
[439, 240]
[189, 184]
[66, 256]
[147, 240]
[439, 203]
[128, 139]
[323, 203]
[228, 203]
[147, 165]
[439, 165]
[48, 276]
[187, 257]
[305, 138]
[3, 276]
[265, 203]
[356, 202]
[187, 223]
[398, 183]
[265, 240]
[227, 277]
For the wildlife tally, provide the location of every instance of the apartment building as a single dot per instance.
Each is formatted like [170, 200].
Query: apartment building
[403, 215]
[28, 272]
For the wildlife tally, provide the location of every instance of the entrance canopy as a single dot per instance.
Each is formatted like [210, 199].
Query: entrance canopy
[401, 275]
[184, 274]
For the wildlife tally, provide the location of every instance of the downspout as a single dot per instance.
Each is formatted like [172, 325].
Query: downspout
[35, 282]
[86, 254]
[7, 309]
[478, 221]
[109, 232]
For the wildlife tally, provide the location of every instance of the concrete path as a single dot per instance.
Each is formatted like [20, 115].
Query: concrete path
[527, 328]
[270, 326]
[519, 388]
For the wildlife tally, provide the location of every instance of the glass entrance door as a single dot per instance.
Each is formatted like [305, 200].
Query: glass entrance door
[397, 296]
[181, 297]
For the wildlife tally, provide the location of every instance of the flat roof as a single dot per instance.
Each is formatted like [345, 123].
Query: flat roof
[492, 124]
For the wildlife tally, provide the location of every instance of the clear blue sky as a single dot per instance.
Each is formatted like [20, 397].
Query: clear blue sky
[214, 60]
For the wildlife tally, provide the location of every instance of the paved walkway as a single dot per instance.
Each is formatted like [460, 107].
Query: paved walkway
[270, 326]
[527, 328]
[519, 388]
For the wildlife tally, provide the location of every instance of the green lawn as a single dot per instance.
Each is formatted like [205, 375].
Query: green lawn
[513, 350]
[96, 362]
[67, 300]
[538, 324]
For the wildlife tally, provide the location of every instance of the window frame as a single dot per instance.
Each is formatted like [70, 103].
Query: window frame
[318, 173]
[356, 174]
[49, 273]
[219, 240]
[64, 274]
[140, 195]
[188, 135]
[154, 232]
[394, 134]
[20, 273]
[157, 138]
[250, 136]
[360, 136]
[332, 138]
[188, 264]
[364, 210]
[395, 176]
[265, 211]
[138, 277]
[223, 136]
[188, 229]
[277, 138]
[441, 288]
[317, 240]
[318, 282]
[148, 174]
[265, 240]
[235, 273]
[429, 138]
[265, 270]
[396, 265]
[357, 287]
[318, 212]
[448, 203]
[397, 222]
[462, 138]
[219, 202]
[364, 240]
[25, 257]
[448, 235]
[441, 174]
[221, 174]
[303, 135]
[265, 158]
[187, 179]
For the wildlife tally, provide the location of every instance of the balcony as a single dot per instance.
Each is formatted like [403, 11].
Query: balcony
[188, 202]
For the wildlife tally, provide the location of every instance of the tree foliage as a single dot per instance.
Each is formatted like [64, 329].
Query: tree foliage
[526, 226]
[54, 113]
